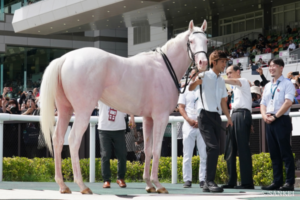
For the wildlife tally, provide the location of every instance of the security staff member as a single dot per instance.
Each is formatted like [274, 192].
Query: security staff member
[241, 103]
[275, 107]
[188, 109]
[209, 121]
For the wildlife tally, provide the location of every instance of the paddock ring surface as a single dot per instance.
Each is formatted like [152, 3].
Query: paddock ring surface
[49, 190]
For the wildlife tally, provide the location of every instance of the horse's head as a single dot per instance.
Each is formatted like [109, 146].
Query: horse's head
[197, 45]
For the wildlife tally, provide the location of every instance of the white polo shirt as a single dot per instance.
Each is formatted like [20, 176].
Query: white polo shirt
[242, 96]
[190, 100]
[110, 119]
[213, 90]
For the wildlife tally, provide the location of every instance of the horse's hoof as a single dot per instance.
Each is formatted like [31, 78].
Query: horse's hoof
[66, 191]
[86, 191]
[150, 190]
[162, 191]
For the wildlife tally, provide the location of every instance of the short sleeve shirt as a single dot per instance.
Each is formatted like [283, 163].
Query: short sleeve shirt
[242, 96]
[213, 90]
[283, 89]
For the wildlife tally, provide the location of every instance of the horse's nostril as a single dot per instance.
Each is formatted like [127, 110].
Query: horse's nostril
[200, 62]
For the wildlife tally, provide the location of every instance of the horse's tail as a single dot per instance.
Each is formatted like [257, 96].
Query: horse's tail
[49, 85]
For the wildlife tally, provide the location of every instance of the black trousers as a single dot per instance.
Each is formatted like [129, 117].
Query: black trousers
[278, 138]
[117, 138]
[211, 136]
[240, 132]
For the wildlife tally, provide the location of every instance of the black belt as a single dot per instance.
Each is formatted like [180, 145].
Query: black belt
[240, 110]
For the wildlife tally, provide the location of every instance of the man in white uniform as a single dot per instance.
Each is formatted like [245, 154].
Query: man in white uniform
[240, 132]
[188, 109]
[112, 128]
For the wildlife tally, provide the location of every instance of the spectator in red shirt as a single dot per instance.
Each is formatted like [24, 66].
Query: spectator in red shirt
[268, 49]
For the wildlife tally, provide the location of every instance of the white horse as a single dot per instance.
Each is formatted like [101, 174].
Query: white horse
[140, 85]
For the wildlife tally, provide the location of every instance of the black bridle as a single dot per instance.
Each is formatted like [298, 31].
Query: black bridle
[192, 57]
[190, 52]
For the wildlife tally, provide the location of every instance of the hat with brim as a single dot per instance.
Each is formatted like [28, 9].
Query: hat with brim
[255, 90]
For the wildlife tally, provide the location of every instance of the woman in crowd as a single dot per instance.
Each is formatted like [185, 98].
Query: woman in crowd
[29, 108]
[12, 107]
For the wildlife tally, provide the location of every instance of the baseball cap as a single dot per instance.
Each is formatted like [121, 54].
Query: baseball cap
[217, 55]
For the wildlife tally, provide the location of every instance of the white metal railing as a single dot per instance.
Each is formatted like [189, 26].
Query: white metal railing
[93, 121]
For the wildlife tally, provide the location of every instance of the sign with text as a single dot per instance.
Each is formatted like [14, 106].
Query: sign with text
[284, 55]
[265, 57]
[244, 62]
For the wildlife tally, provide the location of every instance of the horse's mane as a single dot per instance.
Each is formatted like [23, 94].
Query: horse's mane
[170, 42]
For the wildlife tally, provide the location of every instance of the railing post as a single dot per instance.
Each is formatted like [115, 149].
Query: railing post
[92, 152]
[1, 150]
[174, 152]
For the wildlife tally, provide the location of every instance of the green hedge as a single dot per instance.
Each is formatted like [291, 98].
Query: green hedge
[42, 169]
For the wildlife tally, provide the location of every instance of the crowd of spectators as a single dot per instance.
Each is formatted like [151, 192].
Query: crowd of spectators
[27, 104]
[269, 44]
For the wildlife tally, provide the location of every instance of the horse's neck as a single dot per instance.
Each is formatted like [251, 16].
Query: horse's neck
[178, 56]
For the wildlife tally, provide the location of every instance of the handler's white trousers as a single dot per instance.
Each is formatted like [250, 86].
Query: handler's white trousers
[190, 135]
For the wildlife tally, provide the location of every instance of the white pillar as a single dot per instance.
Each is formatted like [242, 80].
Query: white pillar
[1, 150]
[92, 152]
[174, 152]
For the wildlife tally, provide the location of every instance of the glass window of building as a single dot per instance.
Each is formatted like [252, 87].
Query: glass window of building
[288, 14]
[240, 23]
[22, 67]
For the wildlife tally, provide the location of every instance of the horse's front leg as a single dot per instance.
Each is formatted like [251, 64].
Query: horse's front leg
[148, 135]
[160, 123]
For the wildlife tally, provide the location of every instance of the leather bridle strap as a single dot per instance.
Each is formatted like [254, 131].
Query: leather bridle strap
[190, 50]
[170, 68]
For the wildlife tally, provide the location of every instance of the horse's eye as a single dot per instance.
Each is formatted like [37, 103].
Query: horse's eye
[191, 42]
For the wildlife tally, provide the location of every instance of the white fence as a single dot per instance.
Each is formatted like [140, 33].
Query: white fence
[93, 121]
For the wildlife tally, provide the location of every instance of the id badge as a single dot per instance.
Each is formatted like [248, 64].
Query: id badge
[270, 107]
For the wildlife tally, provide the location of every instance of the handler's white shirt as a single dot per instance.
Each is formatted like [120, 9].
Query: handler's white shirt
[213, 90]
[242, 95]
[189, 99]
[110, 119]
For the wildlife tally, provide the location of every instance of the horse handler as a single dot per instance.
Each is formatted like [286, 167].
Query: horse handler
[112, 129]
[209, 121]
[241, 103]
[187, 108]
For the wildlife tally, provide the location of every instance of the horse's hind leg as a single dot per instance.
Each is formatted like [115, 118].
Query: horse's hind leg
[79, 127]
[160, 123]
[148, 129]
[58, 140]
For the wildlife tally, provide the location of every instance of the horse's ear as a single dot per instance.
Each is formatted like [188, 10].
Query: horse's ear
[191, 26]
[204, 26]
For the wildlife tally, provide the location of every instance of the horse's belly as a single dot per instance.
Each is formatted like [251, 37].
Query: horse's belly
[124, 102]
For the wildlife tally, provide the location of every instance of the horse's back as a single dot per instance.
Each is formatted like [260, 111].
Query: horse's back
[135, 85]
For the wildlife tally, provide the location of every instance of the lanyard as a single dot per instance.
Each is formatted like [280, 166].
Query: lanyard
[195, 102]
[273, 93]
